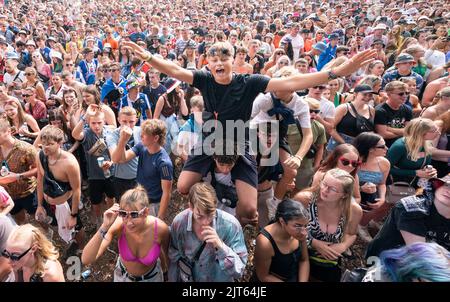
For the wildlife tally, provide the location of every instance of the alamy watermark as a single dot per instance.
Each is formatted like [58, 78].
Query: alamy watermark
[237, 137]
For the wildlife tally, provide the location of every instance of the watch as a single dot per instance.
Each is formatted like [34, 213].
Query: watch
[332, 76]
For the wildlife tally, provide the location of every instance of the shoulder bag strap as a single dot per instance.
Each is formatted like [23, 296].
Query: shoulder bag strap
[199, 251]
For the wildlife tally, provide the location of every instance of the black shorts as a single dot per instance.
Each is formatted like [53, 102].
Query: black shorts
[29, 203]
[244, 170]
[122, 185]
[99, 186]
[79, 224]
[325, 272]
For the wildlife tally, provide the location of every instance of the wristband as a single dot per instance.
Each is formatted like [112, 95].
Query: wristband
[103, 233]
[301, 159]
[332, 75]
[149, 57]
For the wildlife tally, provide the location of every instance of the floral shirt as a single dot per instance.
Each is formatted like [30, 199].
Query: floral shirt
[224, 265]
[20, 159]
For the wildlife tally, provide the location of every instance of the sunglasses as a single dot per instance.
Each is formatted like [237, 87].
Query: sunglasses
[381, 147]
[316, 111]
[29, 74]
[319, 87]
[347, 162]
[132, 214]
[402, 93]
[69, 65]
[26, 95]
[14, 257]
[112, 70]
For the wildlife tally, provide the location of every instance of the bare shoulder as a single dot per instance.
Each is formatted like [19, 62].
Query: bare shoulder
[384, 163]
[304, 197]
[263, 245]
[53, 271]
[356, 210]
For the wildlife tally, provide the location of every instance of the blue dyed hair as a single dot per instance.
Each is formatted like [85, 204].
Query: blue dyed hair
[428, 261]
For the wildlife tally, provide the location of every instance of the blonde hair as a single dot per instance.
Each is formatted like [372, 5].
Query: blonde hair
[391, 86]
[155, 127]
[135, 198]
[30, 235]
[347, 181]
[312, 103]
[197, 101]
[127, 110]
[203, 196]
[414, 141]
[286, 71]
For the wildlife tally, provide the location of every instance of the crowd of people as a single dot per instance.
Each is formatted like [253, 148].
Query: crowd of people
[317, 122]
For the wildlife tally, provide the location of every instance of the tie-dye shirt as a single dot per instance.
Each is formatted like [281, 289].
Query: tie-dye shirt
[224, 265]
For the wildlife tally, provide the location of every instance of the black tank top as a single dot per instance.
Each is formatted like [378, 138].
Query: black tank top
[347, 125]
[284, 266]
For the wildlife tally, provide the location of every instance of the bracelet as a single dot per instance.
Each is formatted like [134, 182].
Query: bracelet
[149, 57]
[332, 75]
[301, 159]
[103, 233]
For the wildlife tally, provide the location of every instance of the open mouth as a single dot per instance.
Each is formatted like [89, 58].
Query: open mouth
[220, 71]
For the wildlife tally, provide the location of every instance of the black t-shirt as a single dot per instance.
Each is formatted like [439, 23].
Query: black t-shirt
[385, 115]
[233, 101]
[416, 215]
[153, 94]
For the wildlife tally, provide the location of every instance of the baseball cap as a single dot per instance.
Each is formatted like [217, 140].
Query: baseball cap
[132, 82]
[380, 26]
[321, 46]
[12, 55]
[171, 84]
[436, 183]
[333, 36]
[404, 58]
[363, 88]
[377, 41]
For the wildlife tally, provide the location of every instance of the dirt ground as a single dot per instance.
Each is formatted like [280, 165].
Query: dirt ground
[103, 269]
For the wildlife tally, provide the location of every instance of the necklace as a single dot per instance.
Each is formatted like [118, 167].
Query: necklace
[59, 156]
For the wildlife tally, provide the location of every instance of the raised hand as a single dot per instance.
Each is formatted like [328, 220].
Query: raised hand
[356, 62]
[139, 51]
[125, 133]
[110, 216]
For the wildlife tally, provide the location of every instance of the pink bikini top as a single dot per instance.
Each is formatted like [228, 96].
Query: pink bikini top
[151, 256]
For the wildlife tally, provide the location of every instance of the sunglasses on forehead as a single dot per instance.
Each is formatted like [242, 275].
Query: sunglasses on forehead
[213, 51]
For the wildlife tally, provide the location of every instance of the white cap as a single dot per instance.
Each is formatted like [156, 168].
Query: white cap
[56, 54]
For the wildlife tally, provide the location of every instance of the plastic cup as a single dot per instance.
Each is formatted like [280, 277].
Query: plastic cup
[100, 161]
